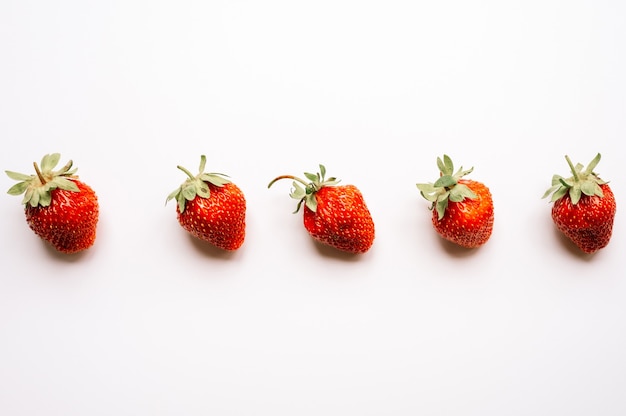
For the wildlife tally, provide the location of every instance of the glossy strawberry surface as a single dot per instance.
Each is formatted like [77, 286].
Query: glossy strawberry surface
[69, 223]
[468, 223]
[462, 208]
[584, 206]
[211, 207]
[342, 219]
[219, 219]
[588, 223]
[334, 215]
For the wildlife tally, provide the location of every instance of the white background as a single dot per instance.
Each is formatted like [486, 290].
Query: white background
[150, 321]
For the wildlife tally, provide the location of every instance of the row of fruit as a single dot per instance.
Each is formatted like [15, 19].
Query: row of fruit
[64, 211]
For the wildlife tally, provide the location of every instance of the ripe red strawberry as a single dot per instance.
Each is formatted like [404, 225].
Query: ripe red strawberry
[59, 208]
[462, 208]
[584, 206]
[211, 208]
[333, 215]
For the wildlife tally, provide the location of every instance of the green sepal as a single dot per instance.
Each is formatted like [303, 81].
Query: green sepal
[172, 195]
[446, 188]
[28, 195]
[19, 176]
[428, 191]
[557, 192]
[49, 162]
[575, 194]
[18, 189]
[312, 177]
[203, 191]
[63, 183]
[304, 191]
[189, 192]
[311, 202]
[556, 180]
[323, 171]
[217, 179]
[37, 188]
[45, 197]
[304, 195]
[298, 193]
[441, 205]
[196, 186]
[591, 188]
[445, 181]
[34, 199]
[459, 192]
[446, 167]
[582, 182]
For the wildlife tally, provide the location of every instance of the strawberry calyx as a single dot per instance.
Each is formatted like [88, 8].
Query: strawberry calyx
[447, 188]
[196, 185]
[582, 182]
[304, 191]
[37, 188]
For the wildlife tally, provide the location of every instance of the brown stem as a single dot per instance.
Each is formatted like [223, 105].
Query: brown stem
[302, 181]
[41, 178]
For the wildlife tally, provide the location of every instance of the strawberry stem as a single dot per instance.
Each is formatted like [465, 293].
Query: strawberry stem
[186, 172]
[295, 178]
[39, 174]
[572, 168]
[306, 193]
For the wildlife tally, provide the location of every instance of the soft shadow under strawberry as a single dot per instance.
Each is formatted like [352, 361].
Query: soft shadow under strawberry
[332, 253]
[209, 250]
[454, 250]
[572, 248]
[64, 257]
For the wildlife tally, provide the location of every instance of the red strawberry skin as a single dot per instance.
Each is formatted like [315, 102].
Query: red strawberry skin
[589, 223]
[219, 219]
[69, 223]
[342, 219]
[468, 223]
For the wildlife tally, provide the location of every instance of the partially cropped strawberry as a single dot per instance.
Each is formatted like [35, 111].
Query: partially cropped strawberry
[333, 215]
[59, 208]
[462, 208]
[584, 206]
[211, 208]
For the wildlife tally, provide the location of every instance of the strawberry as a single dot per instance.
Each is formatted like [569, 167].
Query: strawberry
[59, 208]
[584, 206]
[462, 208]
[334, 215]
[211, 208]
